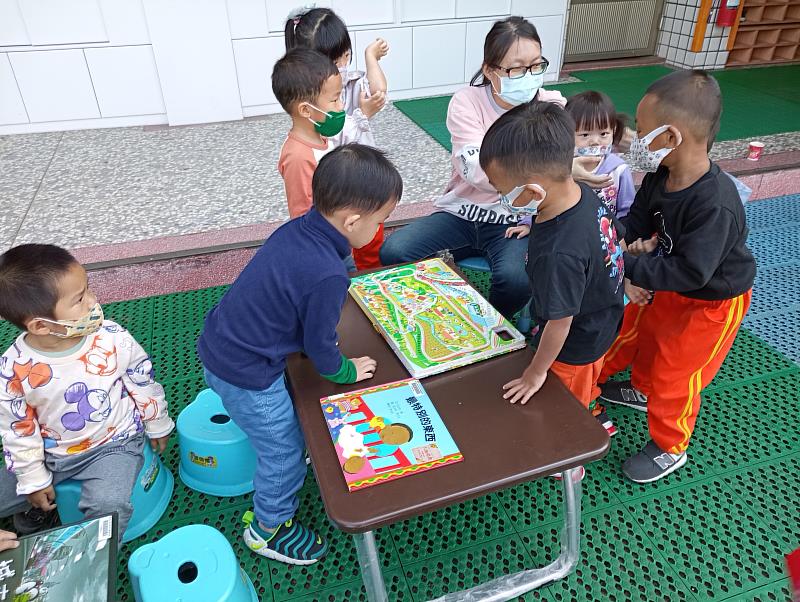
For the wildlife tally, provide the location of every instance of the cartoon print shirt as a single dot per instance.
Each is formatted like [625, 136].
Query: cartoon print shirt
[103, 392]
[619, 196]
[576, 268]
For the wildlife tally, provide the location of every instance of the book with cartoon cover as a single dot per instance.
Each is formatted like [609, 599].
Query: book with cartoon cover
[387, 432]
[72, 562]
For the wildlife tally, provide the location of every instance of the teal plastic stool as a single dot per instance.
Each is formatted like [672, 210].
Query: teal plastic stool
[189, 564]
[479, 264]
[150, 497]
[216, 455]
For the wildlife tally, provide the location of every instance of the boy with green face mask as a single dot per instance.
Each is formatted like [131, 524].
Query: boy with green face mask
[309, 88]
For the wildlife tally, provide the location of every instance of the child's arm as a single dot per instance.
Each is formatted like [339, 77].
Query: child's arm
[705, 240]
[374, 53]
[552, 341]
[625, 193]
[357, 128]
[23, 448]
[147, 394]
[320, 313]
[297, 172]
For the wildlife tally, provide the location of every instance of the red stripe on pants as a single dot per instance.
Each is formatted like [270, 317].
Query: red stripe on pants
[676, 346]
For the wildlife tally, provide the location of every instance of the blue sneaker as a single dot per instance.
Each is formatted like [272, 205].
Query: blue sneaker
[291, 542]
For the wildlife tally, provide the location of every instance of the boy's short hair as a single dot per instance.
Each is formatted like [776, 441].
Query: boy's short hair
[29, 276]
[693, 96]
[537, 137]
[355, 176]
[299, 75]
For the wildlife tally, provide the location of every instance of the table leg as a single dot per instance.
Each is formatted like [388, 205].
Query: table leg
[509, 587]
[370, 566]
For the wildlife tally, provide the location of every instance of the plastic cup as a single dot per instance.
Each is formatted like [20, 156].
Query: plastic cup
[754, 150]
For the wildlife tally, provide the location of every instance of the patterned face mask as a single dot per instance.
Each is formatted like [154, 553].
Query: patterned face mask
[596, 150]
[83, 326]
[641, 155]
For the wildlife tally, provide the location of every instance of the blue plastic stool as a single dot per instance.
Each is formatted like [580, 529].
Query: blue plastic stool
[150, 497]
[191, 563]
[479, 264]
[216, 455]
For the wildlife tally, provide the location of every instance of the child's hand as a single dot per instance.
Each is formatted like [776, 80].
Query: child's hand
[8, 540]
[43, 499]
[523, 388]
[371, 105]
[159, 444]
[521, 231]
[378, 49]
[643, 247]
[365, 367]
[582, 171]
[636, 294]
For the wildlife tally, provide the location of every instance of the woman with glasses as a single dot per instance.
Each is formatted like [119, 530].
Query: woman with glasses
[470, 219]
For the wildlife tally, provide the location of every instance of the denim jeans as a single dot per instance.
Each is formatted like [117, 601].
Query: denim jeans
[431, 234]
[268, 418]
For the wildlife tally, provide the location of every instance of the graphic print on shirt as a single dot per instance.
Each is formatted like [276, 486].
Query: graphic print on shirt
[142, 373]
[664, 239]
[36, 374]
[609, 196]
[611, 246]
[100, 360]
[92, 405]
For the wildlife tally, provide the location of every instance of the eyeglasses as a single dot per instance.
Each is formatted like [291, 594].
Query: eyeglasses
[517, 72]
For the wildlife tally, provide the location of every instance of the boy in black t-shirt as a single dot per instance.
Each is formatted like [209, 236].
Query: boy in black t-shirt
[702, 273]
[574, 259]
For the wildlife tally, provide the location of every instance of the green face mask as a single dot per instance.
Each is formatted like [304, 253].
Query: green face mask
[333, 124]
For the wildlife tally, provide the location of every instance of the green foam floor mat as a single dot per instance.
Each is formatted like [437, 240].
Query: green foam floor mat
[716, 529]
[756, 101]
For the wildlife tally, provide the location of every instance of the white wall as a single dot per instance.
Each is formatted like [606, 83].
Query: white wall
[71, 64]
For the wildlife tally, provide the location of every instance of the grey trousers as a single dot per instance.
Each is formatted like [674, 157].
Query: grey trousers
[107, 475]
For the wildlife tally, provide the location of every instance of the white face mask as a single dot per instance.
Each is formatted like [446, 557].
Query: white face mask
[596, 150]
[507, 200]
[520, 90]
[641, 155]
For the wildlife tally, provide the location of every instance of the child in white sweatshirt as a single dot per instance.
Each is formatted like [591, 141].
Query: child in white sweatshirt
[77, 393]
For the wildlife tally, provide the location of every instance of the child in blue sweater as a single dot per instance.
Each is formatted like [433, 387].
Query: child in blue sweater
[289, 298]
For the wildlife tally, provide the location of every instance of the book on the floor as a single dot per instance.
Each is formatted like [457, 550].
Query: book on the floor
[387, 432]
[432, 318]
[72, 562]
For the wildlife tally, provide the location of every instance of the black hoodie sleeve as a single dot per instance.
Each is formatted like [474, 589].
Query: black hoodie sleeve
[637, 222]
[706, 239]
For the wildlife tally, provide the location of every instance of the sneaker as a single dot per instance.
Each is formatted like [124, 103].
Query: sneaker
[559, 475]
[35, 520]
[599, 412]
[623, 393]
[291, 542]
[652, 464]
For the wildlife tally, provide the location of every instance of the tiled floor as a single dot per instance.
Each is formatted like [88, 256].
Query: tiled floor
[94, 187]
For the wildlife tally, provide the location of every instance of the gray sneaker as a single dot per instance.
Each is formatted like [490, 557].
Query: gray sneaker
[652, 464]
[623, 393]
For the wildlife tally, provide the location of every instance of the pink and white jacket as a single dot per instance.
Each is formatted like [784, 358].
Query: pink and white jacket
[469, 195]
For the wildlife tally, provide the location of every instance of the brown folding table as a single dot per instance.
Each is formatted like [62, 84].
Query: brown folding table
[503, 445]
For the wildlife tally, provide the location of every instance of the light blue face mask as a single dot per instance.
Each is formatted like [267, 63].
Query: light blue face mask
[531, 208]
[520, 90]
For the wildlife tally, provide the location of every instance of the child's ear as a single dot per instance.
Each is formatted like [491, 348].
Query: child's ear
[38, 327]
[304, 110]
[350, 221]
[674, 137]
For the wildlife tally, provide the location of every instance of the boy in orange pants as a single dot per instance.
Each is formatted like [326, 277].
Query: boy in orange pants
[689, 296]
